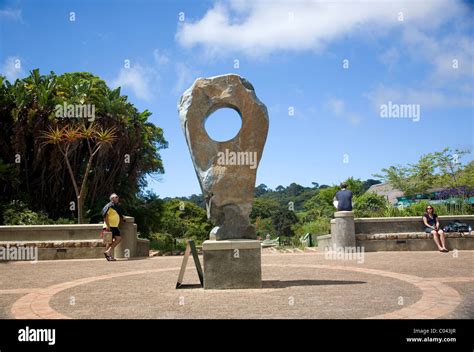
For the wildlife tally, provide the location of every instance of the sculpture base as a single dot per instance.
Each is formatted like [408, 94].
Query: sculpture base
[232, 264]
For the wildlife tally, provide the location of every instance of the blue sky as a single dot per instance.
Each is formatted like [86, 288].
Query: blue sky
[293, 52]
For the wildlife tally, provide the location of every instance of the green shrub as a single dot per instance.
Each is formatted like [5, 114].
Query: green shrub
[25, 217]
[320, 226]
[161, 242]
[64, 221]
[389, 212]
[370, 204]
[295, 242]
[418, 209]
[166, 243]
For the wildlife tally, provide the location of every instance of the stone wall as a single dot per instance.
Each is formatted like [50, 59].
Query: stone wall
[72, 241]
[403, 224]
[394, 234]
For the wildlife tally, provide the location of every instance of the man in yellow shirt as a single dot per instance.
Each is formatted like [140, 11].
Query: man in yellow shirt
[112, 215]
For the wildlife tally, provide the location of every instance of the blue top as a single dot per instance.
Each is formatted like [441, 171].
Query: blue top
[344, 200]
[431, 221]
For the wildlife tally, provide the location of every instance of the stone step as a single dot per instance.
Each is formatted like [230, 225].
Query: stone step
[409, 235]
[54, 244]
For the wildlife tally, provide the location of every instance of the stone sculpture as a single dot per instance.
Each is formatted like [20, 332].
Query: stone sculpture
[226, 170]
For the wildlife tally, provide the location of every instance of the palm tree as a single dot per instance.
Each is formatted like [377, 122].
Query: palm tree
[67, 139]
[28, 109]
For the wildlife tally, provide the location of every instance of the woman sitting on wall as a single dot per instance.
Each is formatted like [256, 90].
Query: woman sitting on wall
[430, 219]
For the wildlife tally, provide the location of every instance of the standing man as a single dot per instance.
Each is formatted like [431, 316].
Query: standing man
[112, 214]
[343, 199]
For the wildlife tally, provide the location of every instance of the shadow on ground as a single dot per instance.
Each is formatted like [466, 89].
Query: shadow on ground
[292, 283]
[289, 283]
[188, 286]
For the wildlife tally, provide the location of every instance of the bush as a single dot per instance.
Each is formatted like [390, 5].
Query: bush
[25, 217]
[282, 222]
[16, 213]
[64, 221]
[161, 242]
[263, 227]
[320, 226]
[418, 209]
[369, 205]
[166, 243]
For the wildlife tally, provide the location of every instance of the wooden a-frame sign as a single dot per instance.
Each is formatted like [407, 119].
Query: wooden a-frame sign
[190, 248]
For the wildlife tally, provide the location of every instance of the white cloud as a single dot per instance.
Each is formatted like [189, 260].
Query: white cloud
[440, 51]
[426, 97]
[448, 59]
[160, 57]
[390, 57]
[11, 14]
[260, 27]
[12, 68]
[337, 107]
[140, 79]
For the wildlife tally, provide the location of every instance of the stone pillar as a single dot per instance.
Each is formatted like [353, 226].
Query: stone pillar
[232, 264]
[343, 229]
[127, 248]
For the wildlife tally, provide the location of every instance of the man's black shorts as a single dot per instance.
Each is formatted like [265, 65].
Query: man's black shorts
[115, 231]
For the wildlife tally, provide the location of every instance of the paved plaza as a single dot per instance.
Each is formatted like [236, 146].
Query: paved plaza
[387, 285]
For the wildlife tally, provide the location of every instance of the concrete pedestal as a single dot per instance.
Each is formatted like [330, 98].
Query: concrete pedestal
[127, 248]
[232, 264]
[343, 229]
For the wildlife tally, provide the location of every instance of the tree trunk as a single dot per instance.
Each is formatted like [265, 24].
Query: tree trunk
[80, 216]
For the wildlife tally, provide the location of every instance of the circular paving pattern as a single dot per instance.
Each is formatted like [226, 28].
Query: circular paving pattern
[289, 291]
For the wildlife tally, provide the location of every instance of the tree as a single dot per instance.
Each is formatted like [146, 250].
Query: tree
[67, 139]
[433, 169]
[294, 190]
[280, 188]
[452, 172]
[466, 176]
[368, 183]
[397, 176]
[263, 226]
[263, 208]
[8, 173]
[411, 179]
[355, 185]
[422, 175]
[28, 108]
[283, 220]
[147, 209]
[321, 204]
[260, 190]
[183, 219]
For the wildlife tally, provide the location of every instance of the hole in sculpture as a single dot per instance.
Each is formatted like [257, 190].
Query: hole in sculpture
[223, 124]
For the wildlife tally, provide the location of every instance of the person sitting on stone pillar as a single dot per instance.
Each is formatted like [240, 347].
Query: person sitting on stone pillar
[343, 199]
